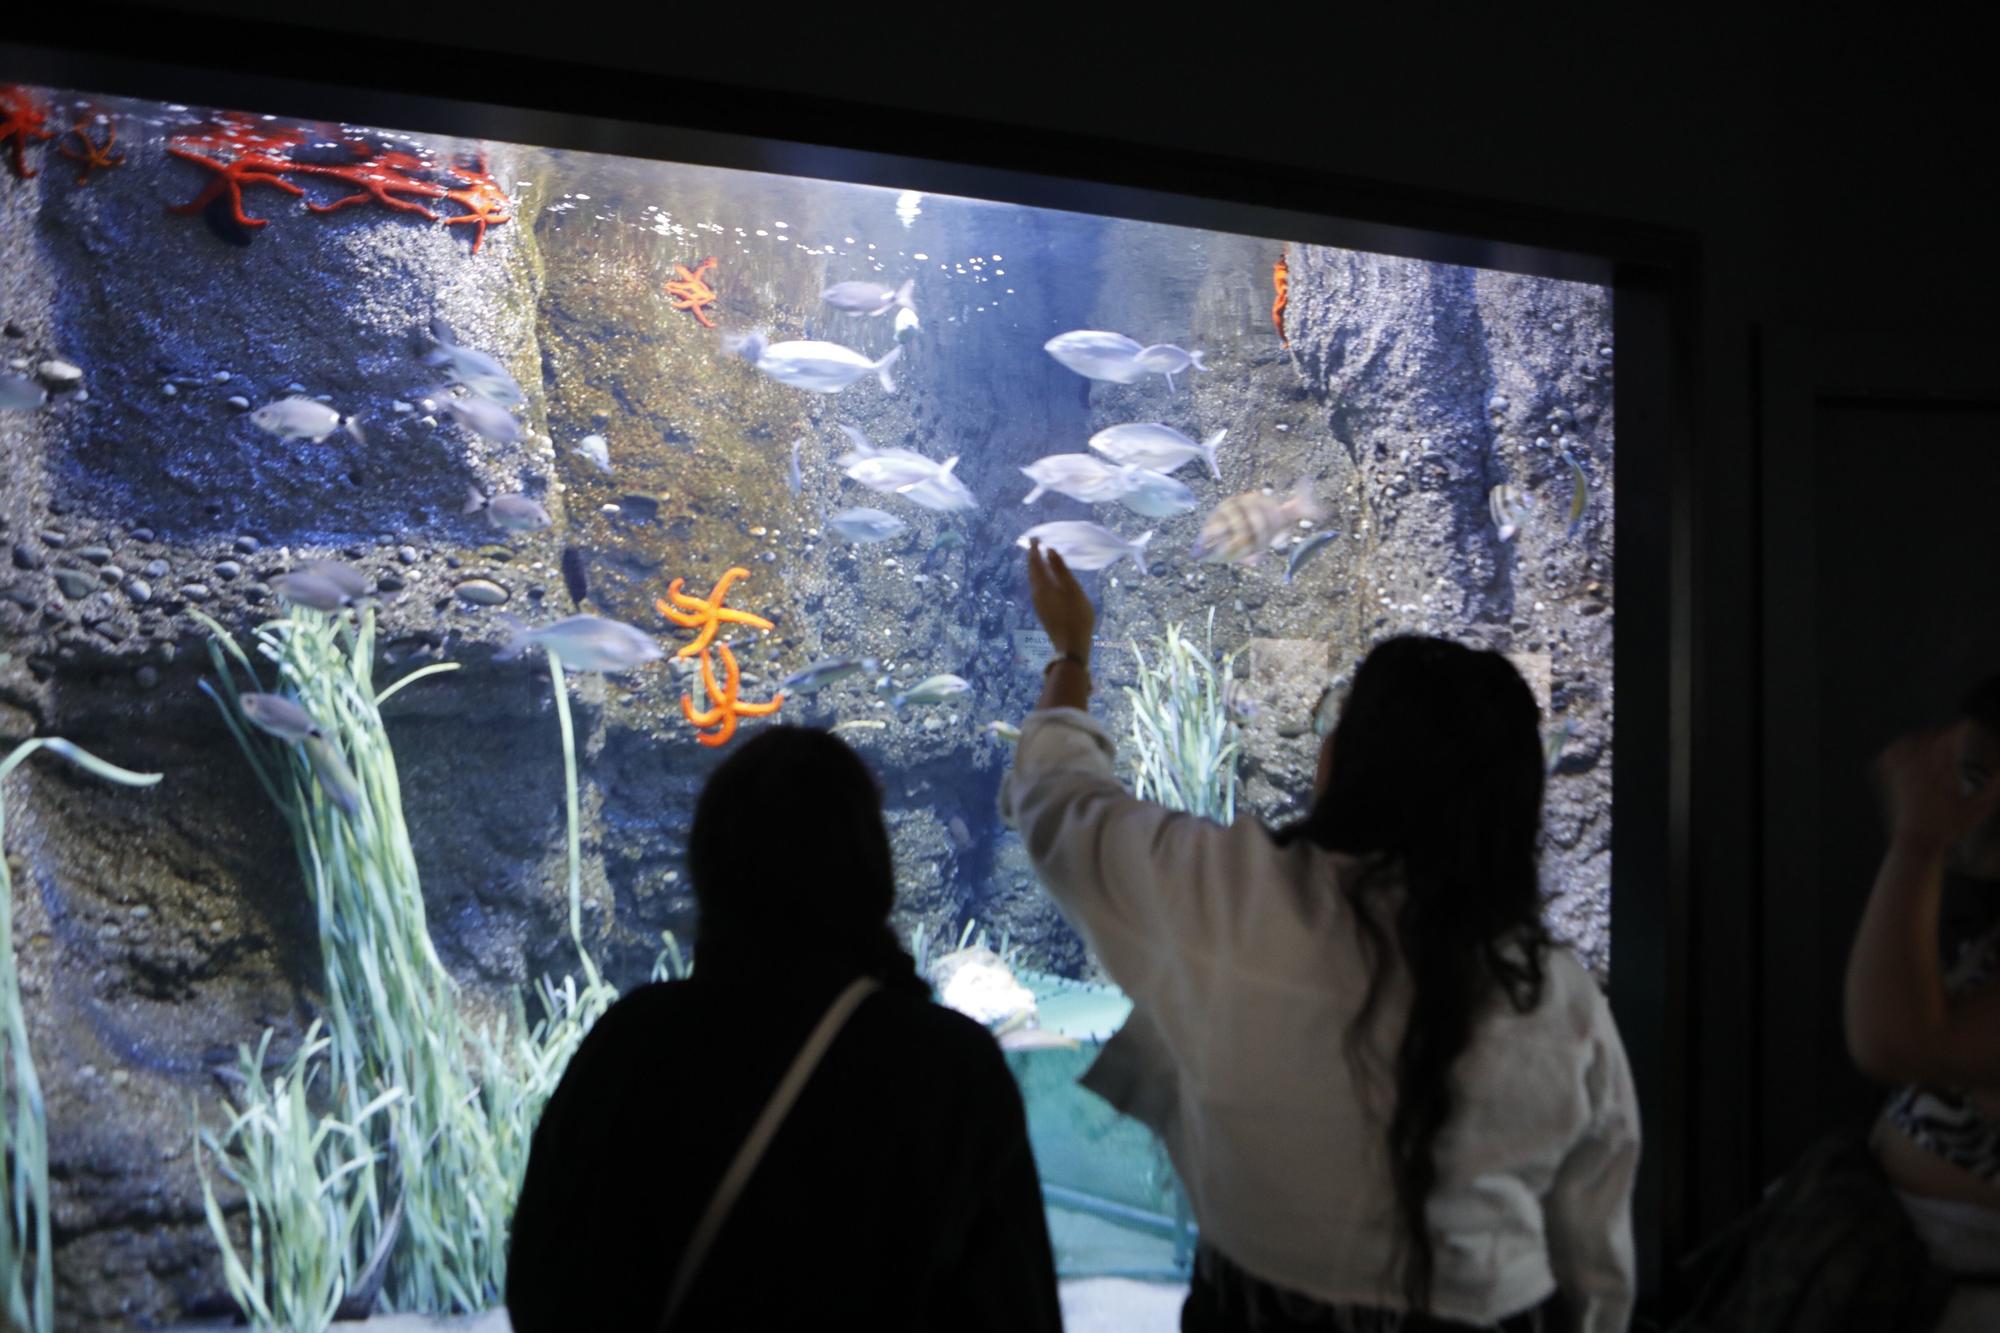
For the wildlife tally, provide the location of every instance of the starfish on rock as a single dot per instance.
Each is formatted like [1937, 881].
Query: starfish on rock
[92, 154]
[690, 292]
[706, 614]
[21, 119]
[724, 707]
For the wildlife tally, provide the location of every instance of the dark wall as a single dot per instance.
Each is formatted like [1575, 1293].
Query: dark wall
[1826, 182]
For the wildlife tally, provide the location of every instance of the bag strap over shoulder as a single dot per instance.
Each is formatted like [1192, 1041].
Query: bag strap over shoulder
[759, 1139]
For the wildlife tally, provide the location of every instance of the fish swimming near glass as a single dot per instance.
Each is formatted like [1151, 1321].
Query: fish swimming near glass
[315, 592]
[1153, 494]
[279, 716]
[482, 416]
[597, 449]
[864, 526]
[303, 419]
[583, 643]
[509, 513]
[18, 393]
[832, 671]
[1243, 527]
[931, 690]
[794, 480]
[478, 371]
[1098, 355]
[1005, 731]
[1168, 360]
[1079, 476]
[822, 367]
[1086, 545]
[869, 298]
[336, 779]
[1579, 497]
[1509, 508]
[1158, 446]
[1303, 551]
[907, 326]
[353, 584]
[942, 491]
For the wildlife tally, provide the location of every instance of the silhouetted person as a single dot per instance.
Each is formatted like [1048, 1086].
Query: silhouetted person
[1935, 1030]
[1384, 1089]
[897, 1194]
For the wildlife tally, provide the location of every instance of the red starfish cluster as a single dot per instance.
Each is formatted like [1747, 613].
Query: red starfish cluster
[21, 120]
[243, 151]
[707, 615]
[690, 293]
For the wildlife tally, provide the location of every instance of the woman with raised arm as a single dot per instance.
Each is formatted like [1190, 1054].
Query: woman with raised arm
[1395, 1104]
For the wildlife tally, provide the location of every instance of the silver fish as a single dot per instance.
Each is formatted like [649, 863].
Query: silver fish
[1245, 526]
[829, 672]
[1509, 508]
[279, 716]
[336, 779]
[1097, 355]
[1552, 746]
[932, 690]
[1079, 476]
[907, 326]
[793, 478]
[303, 419]
[483, 417]
[476, 370]
[1154, 494]
[1086, 545]
[315, 592]
[1157, 446]
[822, 367]
[869, 298]
[509, 513]
[1005, 731]
[18, 393]
[1036, 1039]
[941, 491]
[597, 449]
[584, 643]
[1167, 359]
[351, 581]
[863, 526]
[1303, 551]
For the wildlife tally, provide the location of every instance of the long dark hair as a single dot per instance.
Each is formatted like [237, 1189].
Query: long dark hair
[790, 859]
[1436, 783]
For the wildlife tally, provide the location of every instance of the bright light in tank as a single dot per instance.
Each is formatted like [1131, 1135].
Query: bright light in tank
[908, 204]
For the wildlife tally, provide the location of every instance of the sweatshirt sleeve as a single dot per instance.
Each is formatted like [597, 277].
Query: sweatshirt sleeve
[1145, 885]
[1589, 1209]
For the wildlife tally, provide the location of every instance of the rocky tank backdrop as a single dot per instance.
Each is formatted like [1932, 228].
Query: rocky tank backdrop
[402, 402]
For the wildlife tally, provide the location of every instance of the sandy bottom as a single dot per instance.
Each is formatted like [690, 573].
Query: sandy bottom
[1089, 1305]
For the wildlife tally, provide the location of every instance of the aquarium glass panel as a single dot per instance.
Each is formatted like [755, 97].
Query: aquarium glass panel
[324, 441]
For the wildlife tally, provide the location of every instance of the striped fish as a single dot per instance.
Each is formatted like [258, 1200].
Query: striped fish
[1245, 526]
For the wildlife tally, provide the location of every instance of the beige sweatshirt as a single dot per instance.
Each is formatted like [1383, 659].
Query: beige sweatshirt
[1245, 972]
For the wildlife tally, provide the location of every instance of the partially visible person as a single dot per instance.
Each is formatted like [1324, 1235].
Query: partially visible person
[1395, 1104]
[898, 1192]
[1932, 1030]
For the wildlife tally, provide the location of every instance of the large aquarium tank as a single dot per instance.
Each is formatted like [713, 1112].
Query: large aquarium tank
[400, 528]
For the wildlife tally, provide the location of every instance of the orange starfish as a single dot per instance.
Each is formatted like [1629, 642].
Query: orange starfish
[92, 154]
[690, 293]
[1281, 279]
[706, 614]
[724, 707]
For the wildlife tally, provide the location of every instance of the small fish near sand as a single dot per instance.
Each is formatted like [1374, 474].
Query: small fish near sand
[1002, 731]
[597, 449]
[509, 513]
[353, 584]
[18, 393]
[869, 298]
[931, 690]
[1086, 546]
[1509, 508]
[1157, 446]
[1168, 360]
[1579, 497]
[315, 592]
[864, 526]
[1303, 551]
[478, 371]
[832, 671]
[584, 643]
[822, 367]
[859, 724]
[1098, 355]
[942, 492]
[279, 716]
[482, 416]
[795, 481]
[303, 419]
[576, 575]
[1243, 527]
